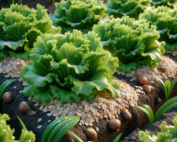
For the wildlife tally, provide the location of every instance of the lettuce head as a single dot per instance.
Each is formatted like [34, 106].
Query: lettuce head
[70, 67]
[164, 18]
[19, 28]
[77, 14]
[131, 8]
[131, 41]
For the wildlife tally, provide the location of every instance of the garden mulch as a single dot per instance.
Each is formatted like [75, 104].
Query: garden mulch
[138, 120]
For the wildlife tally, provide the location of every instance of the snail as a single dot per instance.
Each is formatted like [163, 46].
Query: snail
[91, 134]
[148, 89]
[8, 97]
[127, 115]
[114, 124]
[162, 68]
[142, 79]
[25, 107]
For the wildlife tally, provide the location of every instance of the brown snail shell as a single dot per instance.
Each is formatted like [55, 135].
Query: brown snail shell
[148, 89]
[123, 109]
[114, 124]
[127, 115]
[91, 134]
[25, 107]
[8, 97]
[142, 79]
[162, 68]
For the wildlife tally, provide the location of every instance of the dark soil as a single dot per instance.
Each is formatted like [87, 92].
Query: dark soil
[138, 120]
[153, 128]
[30, 3]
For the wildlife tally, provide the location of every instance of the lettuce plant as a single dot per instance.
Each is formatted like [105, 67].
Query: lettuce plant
[19, 28]
[6, 133]
[163, 109]
[77, 14]
[162, 2]
[167, 134]
[131, 8]
[131, 41]
[70, 68]
[164, 19]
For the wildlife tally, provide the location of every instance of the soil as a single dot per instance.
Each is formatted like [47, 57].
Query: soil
[138, 120]
[30, 3]
[153, 128]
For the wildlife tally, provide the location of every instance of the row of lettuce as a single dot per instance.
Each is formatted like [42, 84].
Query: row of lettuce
[76, 64]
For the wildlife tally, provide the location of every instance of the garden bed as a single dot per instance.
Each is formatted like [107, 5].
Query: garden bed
[101, 109]
[39, 122]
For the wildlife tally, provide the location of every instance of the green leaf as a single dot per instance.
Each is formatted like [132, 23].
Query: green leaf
[58, 128]
[75, 136]
[161, 109]
[147, 112]
[173, 83]
[167, 89]
[117, 138]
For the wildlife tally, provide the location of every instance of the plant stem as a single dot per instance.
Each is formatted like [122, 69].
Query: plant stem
[75, 136]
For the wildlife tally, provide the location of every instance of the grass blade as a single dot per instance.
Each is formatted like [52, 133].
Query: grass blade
[117, 138]
[173, 83]
[167, 89]
[4, 86]
[75, 136]
[166, 109]
[148, 108]
[21, 122]
[160, 110]
[146, 112]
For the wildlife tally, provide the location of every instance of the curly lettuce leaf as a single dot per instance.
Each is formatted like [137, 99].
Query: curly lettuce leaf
[133, 42]
[130, 8]
[164, 19]
[167, 134]
[80, 15]
[70, 68]
[19, 28]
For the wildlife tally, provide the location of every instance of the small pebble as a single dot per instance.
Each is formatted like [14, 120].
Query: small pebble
[14, 86]
[49, 121]
[39, 119]
[39, 126]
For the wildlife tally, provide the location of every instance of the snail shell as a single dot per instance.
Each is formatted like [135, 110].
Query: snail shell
[148, 89]
[142, 79]
[114, 124]
[25, 107]
[162, 68]
[91, 134]
[127, 115]
[8, 97]
[123, 109]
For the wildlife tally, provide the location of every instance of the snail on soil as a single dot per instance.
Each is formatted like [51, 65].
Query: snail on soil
[148, 89]
[127, 115]
[91, 134]
[142, 79]
[8, 97]
[114, 124]
[162, 68]
[25, 107]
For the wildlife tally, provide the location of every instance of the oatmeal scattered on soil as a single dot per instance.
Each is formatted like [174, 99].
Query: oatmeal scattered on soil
[169, 64]
[102, 106]
[12, 66]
